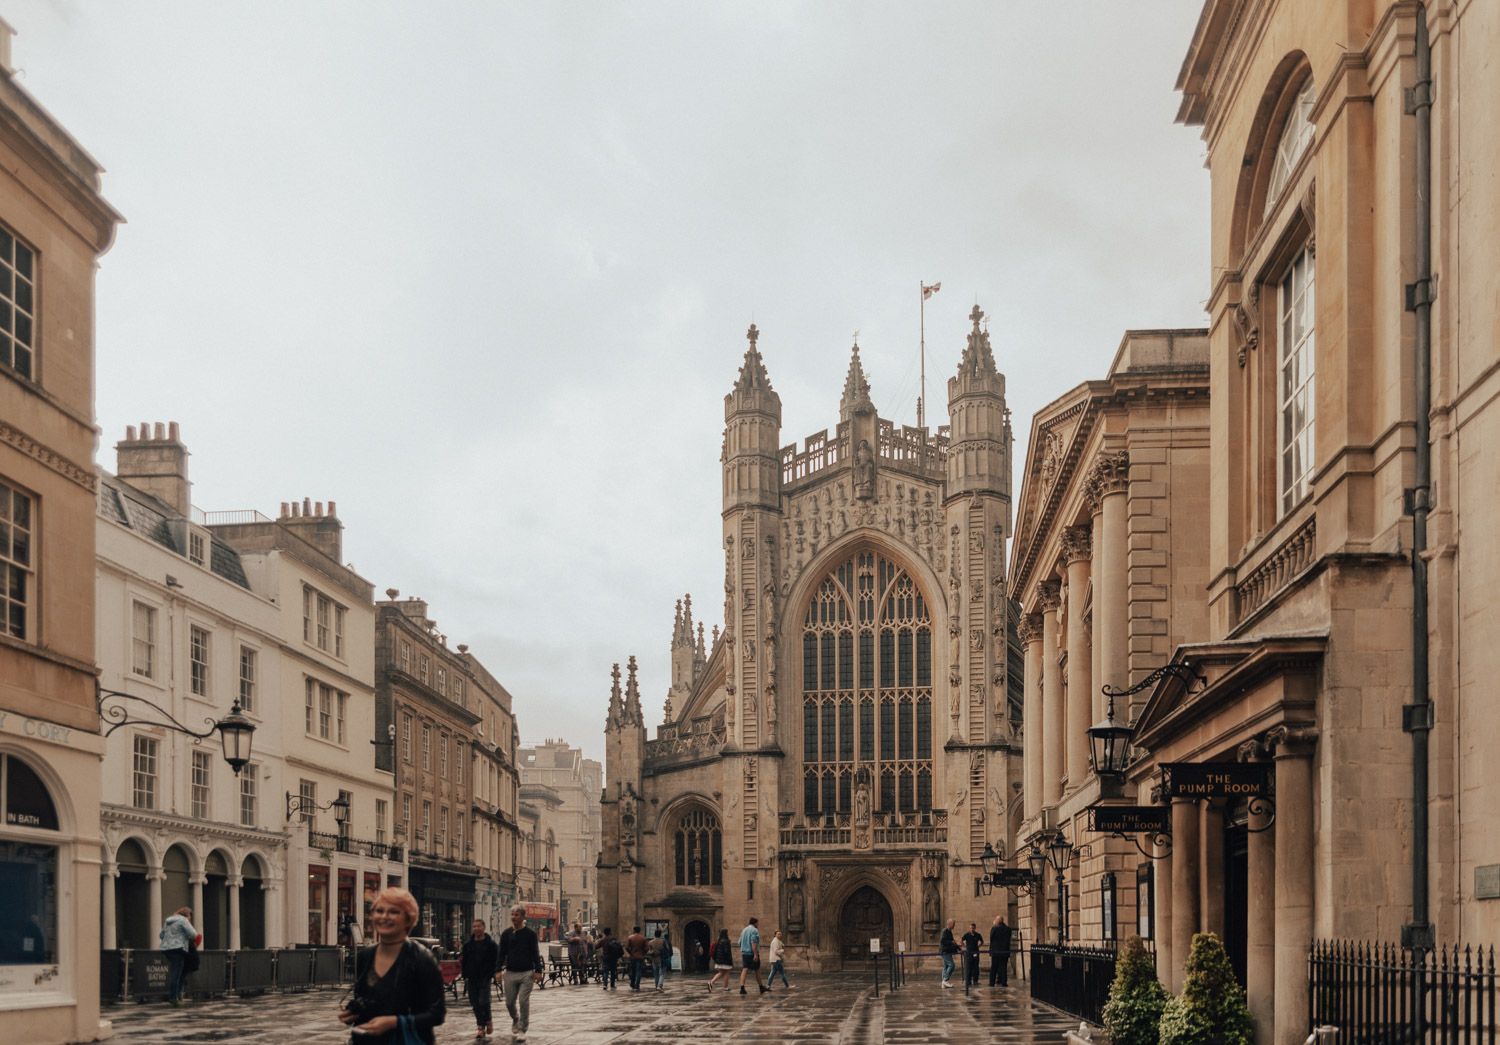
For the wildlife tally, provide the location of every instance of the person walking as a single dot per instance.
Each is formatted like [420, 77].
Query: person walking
[398, 986]
[777, 954]
[178, 937]
[635, 953]
[654, 950]
[666, 949]
[522, 969]
[971, 942]
[577, 949]
[609, 958]
[478, 961]
[999, 952]
[723, 960]
[948, 947]
[750, 955]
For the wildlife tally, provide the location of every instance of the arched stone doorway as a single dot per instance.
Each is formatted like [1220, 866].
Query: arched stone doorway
[865, 914]
[213, 920]
[176, 886]
[697, 940]
[252, 905]
[133, 926]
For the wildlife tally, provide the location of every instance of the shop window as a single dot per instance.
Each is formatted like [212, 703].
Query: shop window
[28, 869]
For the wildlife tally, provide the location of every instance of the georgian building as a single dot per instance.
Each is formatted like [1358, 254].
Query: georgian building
[497, 783]
[578, 781]
[837, 761]
[1110, 566]
[180, 626]
[424, 689]
[54, 226]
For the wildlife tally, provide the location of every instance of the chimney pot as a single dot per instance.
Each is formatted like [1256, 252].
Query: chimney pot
[285, 509]
[307, 506]
[174, 431]
[130, 433]
[161, 430]
[332, 508]
[319, 509]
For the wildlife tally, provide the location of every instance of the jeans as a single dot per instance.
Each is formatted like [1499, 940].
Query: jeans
[611, 972]
[518, 996]
[479, 1000]
[636, 968]
[999, 968]
[947, 967]
[175, 959]
[777, 969]
[659, 970]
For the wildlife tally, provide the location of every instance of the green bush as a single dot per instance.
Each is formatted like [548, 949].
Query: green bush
[1136, 998]
[1211, 1009]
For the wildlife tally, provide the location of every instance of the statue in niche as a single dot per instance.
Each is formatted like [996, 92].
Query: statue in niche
[931, 910]
[796, 913]
[862, 804]
[864, 471]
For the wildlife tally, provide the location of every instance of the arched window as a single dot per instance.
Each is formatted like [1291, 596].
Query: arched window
[867, 688]
[30, 866]
[699, 849]
[1296, 136]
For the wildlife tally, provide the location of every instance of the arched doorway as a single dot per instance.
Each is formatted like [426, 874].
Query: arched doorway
[697, 940]
[133, 926]
[213, 920]
[176, 886]
[252, 905]
[866, 914]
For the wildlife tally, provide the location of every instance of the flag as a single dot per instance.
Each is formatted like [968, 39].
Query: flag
[927, 291]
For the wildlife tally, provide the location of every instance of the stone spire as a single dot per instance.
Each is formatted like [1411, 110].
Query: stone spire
[978, 360]
[856, 390]
[666, 710]
[615, 706]
[700, 653]
[632, 713]
[677, 626]
[752, 437]
[687, 620]
[753, 372]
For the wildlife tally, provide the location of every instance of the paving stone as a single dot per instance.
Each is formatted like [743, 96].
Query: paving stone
[827, 1009]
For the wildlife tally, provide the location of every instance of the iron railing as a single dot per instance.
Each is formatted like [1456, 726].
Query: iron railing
[1072, 978]
[337, 843]
[1373, 993]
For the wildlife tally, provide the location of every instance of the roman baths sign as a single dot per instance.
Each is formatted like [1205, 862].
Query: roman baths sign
[1216, 779]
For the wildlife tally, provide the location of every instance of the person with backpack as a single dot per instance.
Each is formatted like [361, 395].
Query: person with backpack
[723, 959]
[610, 953]
[666, 949]
[654, 953]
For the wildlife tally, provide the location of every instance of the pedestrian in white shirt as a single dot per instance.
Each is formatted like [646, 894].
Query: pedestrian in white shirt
[778, 964]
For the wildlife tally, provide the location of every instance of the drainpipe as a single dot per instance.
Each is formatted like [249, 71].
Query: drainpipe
[1418, 717]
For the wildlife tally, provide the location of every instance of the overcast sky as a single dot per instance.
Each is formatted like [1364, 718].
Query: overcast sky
[481, 272]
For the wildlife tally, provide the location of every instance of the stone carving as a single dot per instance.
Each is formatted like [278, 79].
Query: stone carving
[1077, 544]
[1052, 454]
[864, 472]
[1029, 628]
[50, 458]
[1110, 474]
[931, 908]
[796, 913]
[976, 639]
[749, 650]
[627, 815]
[1049, 595]
[932, 865]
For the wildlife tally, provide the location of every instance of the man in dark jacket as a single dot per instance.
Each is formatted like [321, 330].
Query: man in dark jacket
[635, 950]
[610, 951]
[521, 962]
[478, 959]
[971, 942]
[999, 952]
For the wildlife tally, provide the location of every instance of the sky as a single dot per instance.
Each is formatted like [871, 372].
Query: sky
[481, 272]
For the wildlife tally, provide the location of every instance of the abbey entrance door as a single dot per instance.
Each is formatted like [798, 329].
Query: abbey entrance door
[866, 914]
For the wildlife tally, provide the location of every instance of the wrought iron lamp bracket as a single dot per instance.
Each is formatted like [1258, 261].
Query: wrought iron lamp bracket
[1261, 805]
[111, 708]
[1178, 671]
[1157, 840]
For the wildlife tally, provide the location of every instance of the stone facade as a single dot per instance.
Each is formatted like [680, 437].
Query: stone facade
[497, 782]
[579, 782]
[54, 226]
[1110, 565]
[835, 761]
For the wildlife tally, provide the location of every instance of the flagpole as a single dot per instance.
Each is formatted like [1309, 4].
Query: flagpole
[922, 399]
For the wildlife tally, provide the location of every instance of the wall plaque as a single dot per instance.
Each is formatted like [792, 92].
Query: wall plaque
[1216, 779]
[1487, 882]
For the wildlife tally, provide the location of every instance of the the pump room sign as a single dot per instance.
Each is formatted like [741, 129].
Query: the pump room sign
[1216, 779]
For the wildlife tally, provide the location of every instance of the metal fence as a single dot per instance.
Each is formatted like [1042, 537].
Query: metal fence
[1379, 993]
[141, 975]
[1073, 979]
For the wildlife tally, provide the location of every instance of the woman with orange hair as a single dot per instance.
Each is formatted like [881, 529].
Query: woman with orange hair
[398, 988]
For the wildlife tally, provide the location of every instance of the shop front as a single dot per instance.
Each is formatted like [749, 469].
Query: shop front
[445, 900]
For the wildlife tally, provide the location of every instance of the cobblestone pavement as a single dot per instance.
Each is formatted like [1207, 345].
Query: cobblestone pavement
[837, 1009]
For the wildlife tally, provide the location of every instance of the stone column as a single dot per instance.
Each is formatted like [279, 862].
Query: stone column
[275, 916]
[234, 911]
[154, 876]
[1097, 565]
[1294, 879]
[196, 881]
[1029, 628]
[1186, 846]
[1161, 915]
[1111, 480]
[1260, 918]
[1076, 548]
[1052, 703]
[1211, 872]
[108, 936]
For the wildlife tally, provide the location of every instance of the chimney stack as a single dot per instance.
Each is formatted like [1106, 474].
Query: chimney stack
[156, 464]
[322, 530]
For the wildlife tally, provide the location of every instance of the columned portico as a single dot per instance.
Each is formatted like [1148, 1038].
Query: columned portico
[108, 872]
[155, 876]
[1076, 549]
[1051, 697]
[196, 881]
[1294, 879]
[234, 883]
[1029, 630]
[1260, 924]
[1110, 481]
[1186, 909]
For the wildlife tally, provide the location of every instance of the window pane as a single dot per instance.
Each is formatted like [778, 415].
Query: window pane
[830, 799]
[924, 657]
[828, 665]
[924, 790]
[28, 803]
[846, 660]
[828, 732]
[903, 658]
[888, 791]
[810, 729]
[906, 730]
[810, 793]
[867, 659]
[907, 798]
[887, 729]
[809, 661]
[846, 730]
[30, 891]
[844, 792]
[867, 730]
[924, 728]
[887, 658]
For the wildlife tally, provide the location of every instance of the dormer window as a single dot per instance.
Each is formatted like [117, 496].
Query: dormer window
[1296, 136]
[197, 549]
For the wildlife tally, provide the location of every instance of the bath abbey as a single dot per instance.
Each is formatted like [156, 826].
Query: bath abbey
[836, 759]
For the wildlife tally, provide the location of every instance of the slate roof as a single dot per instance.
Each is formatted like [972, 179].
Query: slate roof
[124, 505]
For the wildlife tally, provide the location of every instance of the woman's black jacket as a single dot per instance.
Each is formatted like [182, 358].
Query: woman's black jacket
[413, 986]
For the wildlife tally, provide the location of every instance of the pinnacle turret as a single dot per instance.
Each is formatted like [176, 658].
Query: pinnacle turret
[615, 706]
[753, 371]
[632, 714]
[978, 360]
[856, 398]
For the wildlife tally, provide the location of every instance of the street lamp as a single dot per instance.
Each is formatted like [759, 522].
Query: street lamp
[304, 804]
[1060, 855]
[1109, 742]
[235, 729]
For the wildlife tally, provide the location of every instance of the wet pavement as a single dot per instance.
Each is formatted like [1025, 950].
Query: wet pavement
[829, 1009]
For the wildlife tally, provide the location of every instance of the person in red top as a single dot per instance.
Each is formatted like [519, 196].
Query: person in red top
[635, 950]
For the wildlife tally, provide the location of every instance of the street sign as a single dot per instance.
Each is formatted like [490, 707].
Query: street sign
[1216, 779]
[874, 945]
[1010, 877]
[1129, 819]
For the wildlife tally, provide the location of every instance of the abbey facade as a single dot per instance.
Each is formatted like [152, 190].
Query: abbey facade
[834, 761]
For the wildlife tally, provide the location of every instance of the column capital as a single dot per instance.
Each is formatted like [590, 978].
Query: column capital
[1290, 741]
[1029, 628]
[155, 874]
[197, 878]
[1110, 475]
[1049, 595]
[234, 881]
[1077, 544]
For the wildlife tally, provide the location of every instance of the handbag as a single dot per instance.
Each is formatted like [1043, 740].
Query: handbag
[406, 1031]
[191, 961]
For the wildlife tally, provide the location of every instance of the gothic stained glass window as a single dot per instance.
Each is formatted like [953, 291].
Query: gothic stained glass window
[867, 649]
[698, 845]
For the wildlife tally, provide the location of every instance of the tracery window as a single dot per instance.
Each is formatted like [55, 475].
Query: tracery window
[699, 849]
[867, 688]
[1296, 136]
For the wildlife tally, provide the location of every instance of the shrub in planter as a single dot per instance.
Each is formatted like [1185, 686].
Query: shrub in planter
[1211, 1009]
[1136, 998]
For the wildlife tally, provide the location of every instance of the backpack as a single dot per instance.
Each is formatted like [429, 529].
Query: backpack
[666, 947]
[613, 949]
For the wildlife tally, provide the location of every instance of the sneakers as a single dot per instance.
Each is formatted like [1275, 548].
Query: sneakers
[763, 988]
[743, 991]
[946, 984]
